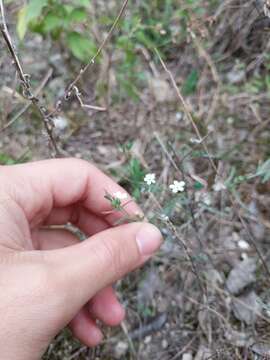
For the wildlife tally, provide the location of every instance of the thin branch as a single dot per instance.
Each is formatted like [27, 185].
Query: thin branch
[185, 107]
[186, 249]
[25, 81]
[83, 105]
[93, 59]
[7, 38]
[213, 69]
[26, 107]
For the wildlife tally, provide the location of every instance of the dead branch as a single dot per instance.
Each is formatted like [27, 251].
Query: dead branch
[25, 82]
[26, 107]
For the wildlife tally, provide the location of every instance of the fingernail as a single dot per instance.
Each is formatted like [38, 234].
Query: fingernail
[149, 239]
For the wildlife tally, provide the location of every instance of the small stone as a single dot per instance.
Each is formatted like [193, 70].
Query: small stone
[203, 353]
[61, 123]
[242, 275]
[148, 339]
[187, 356]
[161, 90]
[244, 245]
[236, 76]
[179, 116]
[164, 344]
[120, 349]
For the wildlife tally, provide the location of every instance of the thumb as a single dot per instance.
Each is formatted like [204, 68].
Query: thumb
[93, 264]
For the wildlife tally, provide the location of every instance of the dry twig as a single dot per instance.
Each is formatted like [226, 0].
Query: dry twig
[93, 59]
[25, 82]
[26, 107]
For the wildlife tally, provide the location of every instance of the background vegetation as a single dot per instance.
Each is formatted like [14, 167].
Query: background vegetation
[179, 90]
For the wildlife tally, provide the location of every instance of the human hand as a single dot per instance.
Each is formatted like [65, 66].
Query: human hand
[48, 278]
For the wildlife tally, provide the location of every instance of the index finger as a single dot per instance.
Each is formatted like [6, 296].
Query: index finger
[39, 187]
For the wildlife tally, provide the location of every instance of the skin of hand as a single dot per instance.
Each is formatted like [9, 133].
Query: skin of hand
[48, 278]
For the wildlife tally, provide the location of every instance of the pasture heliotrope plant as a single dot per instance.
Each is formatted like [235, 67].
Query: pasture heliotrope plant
[118, 204]
[116, 200]
[120, 195]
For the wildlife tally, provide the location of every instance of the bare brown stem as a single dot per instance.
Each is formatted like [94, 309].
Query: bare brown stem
[103, 44]
[185, 107]
[26, 107]
[25, 81]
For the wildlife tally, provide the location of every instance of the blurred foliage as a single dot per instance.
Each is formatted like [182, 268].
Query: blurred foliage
[62, 22]
[191, 82]
[5, 159]
[264, 171]
[157, 24]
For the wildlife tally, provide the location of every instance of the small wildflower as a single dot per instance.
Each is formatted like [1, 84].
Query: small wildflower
[177, 186]
[115, 202]
[243, 244]
[218, 186]
[120, 195]
[150, 179]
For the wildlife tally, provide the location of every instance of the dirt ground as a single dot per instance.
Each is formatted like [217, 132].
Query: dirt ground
[205, 295]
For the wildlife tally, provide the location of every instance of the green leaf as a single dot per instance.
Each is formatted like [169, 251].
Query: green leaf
[78, 15]
[51, 22]
[28, 13]
[198, 185]
[22, 23]
[264, 171]
[34, 9]
[191, 83]
[6, 159]
[81, 46]
[84, 3]
[136, 172]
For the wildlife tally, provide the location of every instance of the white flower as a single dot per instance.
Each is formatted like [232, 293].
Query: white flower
[243, 244]
[218, 186]
[150, 179]
[120, 195]
[177, 186]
